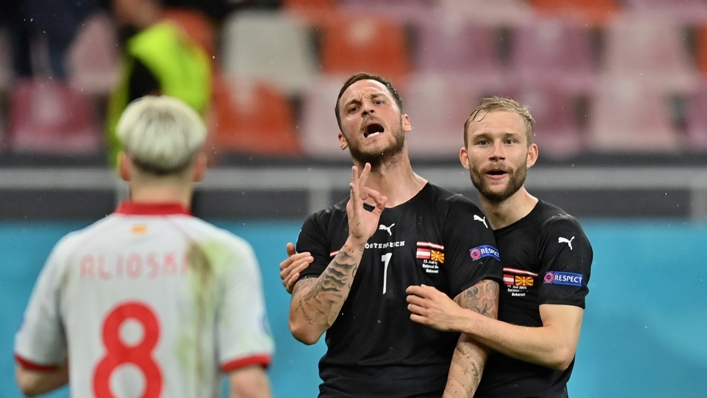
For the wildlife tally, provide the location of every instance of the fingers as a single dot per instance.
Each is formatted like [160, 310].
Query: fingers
[291, 249]
[363, 179]
[379, 199]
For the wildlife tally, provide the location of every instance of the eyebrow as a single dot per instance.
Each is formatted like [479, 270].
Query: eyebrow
[356, 100]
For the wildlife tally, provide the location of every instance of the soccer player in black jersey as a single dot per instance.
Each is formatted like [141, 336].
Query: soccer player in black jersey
[362, 262]
[546, 260]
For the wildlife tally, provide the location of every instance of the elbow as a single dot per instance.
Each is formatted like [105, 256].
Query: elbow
[562, 359]
[27, 386]
[304, 333]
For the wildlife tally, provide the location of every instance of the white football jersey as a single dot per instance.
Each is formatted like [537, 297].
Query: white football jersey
[150, 301]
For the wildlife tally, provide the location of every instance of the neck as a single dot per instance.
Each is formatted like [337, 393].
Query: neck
[508, 211]
[396, 180]
[161, 193]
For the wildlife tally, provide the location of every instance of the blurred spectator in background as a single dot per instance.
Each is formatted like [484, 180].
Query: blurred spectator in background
[37, 24]
[158, 58]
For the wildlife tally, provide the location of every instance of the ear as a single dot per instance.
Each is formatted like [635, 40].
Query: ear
[532, 155]
[342, 142]
[200, 167]
[464, 158]
[407, 126]
[125, 166]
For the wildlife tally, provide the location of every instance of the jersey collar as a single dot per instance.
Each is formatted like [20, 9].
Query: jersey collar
[158, 209]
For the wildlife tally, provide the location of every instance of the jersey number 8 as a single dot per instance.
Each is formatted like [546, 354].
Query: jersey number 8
[139, 354]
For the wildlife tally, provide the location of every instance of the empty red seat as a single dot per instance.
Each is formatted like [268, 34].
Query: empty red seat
[94, 57]
[252, 117]
[353, 43]
[594, 12]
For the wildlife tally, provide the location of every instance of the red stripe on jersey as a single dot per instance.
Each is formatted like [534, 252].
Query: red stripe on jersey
[519, 271]
[27, 364]
[263, 360]
[430, 245]
[157, 209]
[508, 279]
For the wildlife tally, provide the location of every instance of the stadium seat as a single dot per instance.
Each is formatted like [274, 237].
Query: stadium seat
[438, 105]
[557, 131]
[628, 116]
[687, 11]
[252, 117]
[401, 11]
[271, 46]
[594, 12]
[48, 116]
[491, 12]
[352, 42]
[651, 48]
[446, 44]
[552, 50]
[94, 57]
[696, 119]
[318, 129]
[701, 48]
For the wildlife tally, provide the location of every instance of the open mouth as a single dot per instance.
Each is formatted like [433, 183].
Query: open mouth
[496, 172]
[373, 129]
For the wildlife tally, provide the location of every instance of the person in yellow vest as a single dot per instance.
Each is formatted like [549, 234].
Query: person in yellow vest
[158, 58]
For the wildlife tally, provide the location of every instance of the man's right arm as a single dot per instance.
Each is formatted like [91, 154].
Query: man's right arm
[316, 302]
[249, 382]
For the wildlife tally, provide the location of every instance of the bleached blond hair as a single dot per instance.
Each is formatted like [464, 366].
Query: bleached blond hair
[161, 135]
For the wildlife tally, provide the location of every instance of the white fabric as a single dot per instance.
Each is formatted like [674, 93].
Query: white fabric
[201, 284]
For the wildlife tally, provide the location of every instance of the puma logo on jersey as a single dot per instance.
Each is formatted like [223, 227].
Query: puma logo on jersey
[389, 229]
[565, 240]
[482, 219]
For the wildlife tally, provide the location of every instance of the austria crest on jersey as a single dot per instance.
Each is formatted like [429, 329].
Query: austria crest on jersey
[431, 254]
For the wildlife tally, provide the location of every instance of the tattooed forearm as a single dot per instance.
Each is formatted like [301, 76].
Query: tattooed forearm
[466, 369]
[318, 301]
[482, 298]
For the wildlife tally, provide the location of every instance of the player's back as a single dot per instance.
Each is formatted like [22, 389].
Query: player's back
[149, 302]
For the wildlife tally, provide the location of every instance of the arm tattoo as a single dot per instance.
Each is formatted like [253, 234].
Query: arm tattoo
[321, 298]
[482, 298]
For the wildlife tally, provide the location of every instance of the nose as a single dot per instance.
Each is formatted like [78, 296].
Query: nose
[497, 151]
[367, 108]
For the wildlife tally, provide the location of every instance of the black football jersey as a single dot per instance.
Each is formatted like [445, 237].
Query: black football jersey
[437, 238]
[546, 259]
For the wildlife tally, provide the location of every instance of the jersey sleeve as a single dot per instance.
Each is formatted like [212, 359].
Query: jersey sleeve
[312, 238]
[470, 247]
[566, 257]
[243, 332]
[40, 343]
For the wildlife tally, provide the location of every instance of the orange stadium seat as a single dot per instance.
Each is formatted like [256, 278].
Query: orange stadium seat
[252, 117]
[48, 116]
[596, 12]
[94, 57]
[352, 43]
[628, 116]
[701, 49]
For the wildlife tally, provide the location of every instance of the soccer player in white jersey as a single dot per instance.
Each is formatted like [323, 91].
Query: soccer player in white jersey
[150, 301]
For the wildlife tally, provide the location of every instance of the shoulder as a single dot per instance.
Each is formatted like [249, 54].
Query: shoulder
[553, 217]
[453, 201]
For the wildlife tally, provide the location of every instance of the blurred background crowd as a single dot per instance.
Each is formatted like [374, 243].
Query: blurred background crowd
[601, 77]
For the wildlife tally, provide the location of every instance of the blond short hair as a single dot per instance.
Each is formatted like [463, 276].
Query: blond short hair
[491, 104]
[162, 135]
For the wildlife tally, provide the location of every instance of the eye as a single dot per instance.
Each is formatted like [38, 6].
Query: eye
[352, 109]
[378, 102]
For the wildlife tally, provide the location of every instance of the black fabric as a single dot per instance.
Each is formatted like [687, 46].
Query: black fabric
[546, 245]
[374, 349]
[142, 81]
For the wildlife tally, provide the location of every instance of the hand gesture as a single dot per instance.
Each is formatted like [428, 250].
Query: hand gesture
[433, 308]
[292, 266]
[362, 223]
